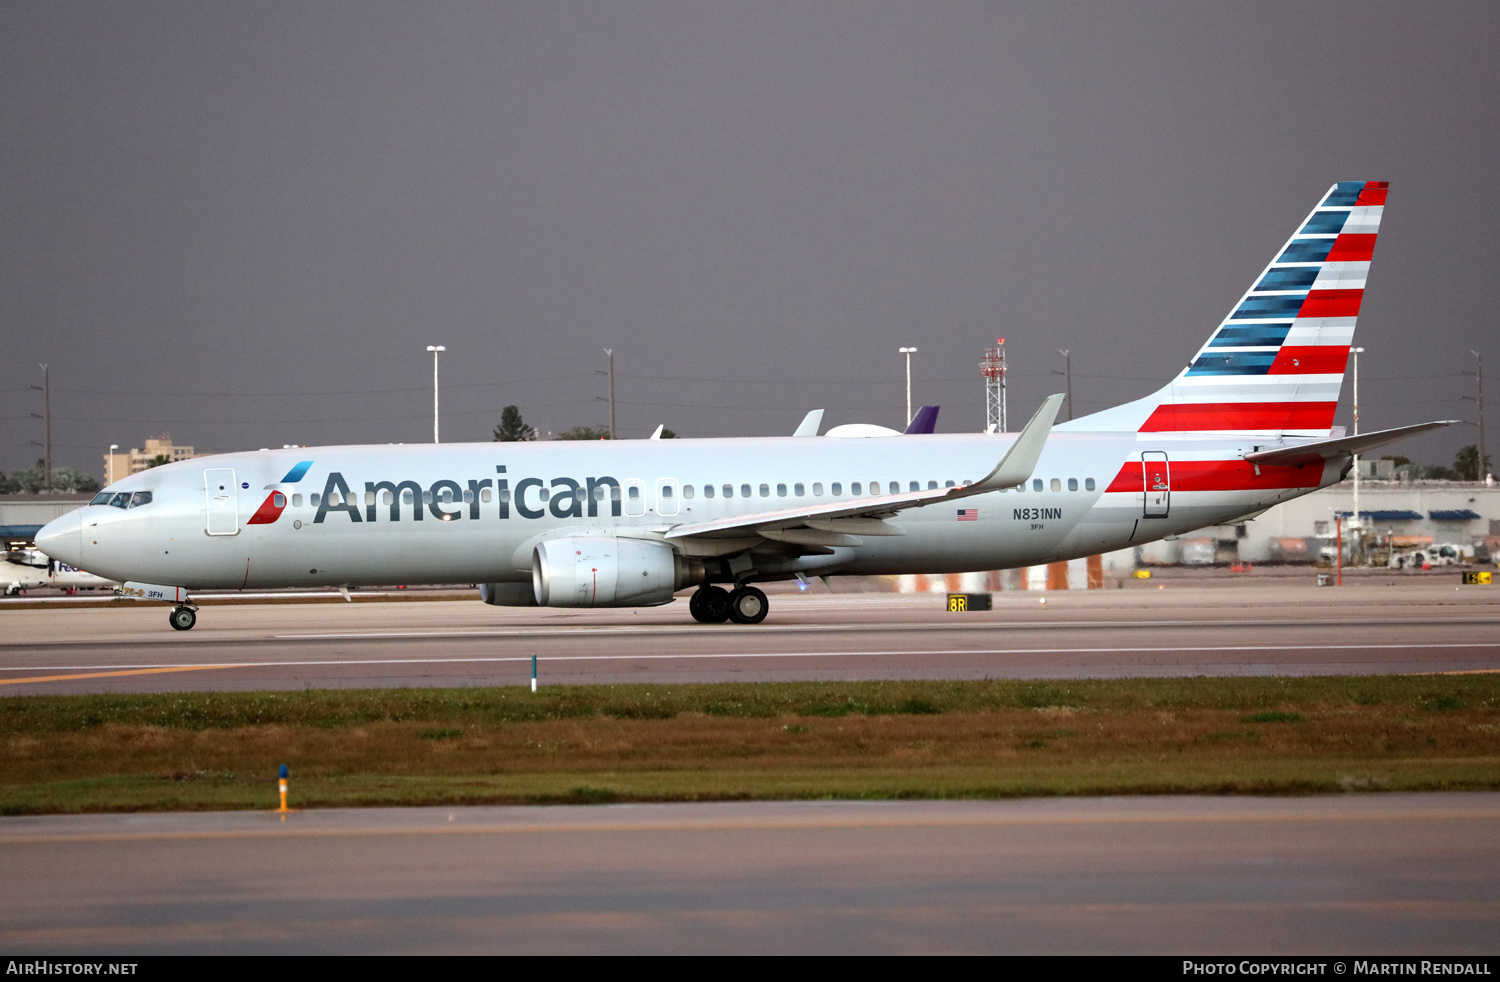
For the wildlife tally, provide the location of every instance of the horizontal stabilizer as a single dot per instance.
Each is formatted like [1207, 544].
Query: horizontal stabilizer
[1343, 447]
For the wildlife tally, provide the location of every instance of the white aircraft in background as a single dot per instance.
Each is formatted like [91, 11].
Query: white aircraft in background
[31, 569]
[1247, 424]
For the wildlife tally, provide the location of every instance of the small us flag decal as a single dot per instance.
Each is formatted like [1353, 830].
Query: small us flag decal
[968, 514]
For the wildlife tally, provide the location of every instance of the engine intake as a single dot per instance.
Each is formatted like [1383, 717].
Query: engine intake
[603, 571]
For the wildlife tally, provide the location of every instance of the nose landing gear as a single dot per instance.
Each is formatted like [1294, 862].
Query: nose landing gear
[183, 618]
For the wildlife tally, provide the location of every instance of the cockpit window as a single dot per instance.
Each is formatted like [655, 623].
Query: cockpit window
[140, 498]
[102, 498]
[121, 500]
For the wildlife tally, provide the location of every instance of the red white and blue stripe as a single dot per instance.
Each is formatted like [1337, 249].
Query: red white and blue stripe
[1276, 362]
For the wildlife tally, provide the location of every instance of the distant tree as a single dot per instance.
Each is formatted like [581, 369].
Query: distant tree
[513, 428]
[6, 485]
[585, 433]
[1439, 473]
[71, 481]
[1466, 464]
[1396, 459]
[33, 480]
[667, 434]
[158, 460]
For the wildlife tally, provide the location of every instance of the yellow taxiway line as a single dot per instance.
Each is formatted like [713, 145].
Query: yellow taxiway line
[108, 675]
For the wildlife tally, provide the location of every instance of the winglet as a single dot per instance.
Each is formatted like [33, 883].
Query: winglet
[810, 424]
[657, 434]
[925, 421]
[1020, 460]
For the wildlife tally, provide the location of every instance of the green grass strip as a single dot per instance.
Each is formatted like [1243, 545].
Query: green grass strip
[909, 739]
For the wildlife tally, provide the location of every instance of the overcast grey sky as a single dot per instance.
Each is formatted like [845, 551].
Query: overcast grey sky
[242, 223]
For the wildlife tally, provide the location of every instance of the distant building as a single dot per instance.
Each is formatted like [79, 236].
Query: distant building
[118, 465]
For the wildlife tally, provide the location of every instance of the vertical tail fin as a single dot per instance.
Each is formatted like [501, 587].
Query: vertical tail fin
[1276, 363]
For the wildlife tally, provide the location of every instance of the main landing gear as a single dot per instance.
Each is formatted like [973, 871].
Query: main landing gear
[183, 618]
[715, 605]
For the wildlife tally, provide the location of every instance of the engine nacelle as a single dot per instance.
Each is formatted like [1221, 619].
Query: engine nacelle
[603, 571]
[508, 594]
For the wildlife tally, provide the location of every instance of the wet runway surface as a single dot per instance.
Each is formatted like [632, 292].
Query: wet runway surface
[1250, 630]
[1360, 875]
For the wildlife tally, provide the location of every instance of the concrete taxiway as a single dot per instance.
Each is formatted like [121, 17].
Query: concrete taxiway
[1360, 875]
[1409, 626]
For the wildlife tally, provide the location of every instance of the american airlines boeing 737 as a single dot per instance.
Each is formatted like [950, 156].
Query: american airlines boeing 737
[1247, 424]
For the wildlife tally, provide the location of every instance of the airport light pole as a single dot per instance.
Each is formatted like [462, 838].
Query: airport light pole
[610, 352]
[435, 348]
[1356, 526]
[1068, 372]
[908, 352]
[46, 390]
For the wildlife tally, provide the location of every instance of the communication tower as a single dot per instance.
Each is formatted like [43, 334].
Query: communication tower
[993, 368]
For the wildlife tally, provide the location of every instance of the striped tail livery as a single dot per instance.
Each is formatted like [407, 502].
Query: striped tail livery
[1275, 364]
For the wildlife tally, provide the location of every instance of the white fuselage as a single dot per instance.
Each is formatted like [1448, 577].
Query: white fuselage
[474, 513]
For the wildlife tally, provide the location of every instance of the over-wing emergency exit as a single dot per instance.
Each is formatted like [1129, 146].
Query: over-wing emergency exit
[1247, 424]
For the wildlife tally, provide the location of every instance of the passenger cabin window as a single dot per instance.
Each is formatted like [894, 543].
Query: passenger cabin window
[1036, 485]
[297, 500]
[781, 490]
[1072, 484]
[798, 490]
[687, 490]
[277, 498]
[315, 499]
[484, 495]
[369, 497]
[708, 490]
[666, 490]
[817, 489]
[765, 491]
[614, 493]
[469, 496]
[504, 496]
[744, 490]
[542, 494]
[1056, 484]
[947, 484]
[635, 493]
[1088, 484]
[837, 488]
[729, 490]
[853, 487]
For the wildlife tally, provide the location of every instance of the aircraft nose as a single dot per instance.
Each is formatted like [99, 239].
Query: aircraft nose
[62, 538]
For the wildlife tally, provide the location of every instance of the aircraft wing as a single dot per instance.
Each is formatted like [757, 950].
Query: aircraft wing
[836, 520]
[1344, 446]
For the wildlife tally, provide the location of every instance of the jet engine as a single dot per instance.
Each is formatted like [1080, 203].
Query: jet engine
[603, 571]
